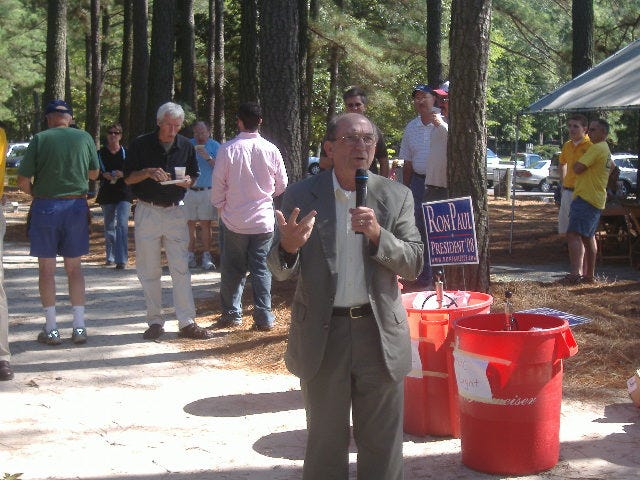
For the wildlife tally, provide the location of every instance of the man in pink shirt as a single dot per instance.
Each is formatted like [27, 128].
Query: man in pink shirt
[249, 172]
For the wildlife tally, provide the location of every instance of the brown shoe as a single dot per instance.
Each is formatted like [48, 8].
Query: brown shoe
[5, 371]
[153, 332]
[196, 332]
[570, 279]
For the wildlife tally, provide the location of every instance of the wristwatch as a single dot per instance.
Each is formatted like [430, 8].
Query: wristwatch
[287, 260]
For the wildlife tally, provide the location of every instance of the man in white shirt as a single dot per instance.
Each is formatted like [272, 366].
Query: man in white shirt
[414, 150]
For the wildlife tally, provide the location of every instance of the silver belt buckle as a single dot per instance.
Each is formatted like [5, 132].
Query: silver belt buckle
[355, 309]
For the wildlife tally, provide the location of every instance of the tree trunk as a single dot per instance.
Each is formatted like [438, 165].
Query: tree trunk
[186, 50]
[105, 47]
[314, 12]
[279, 76]
[218, 90]
[466, 149]
[248, 63]
[305, 94]
[67, 79]
[140, 73]
[161, 58]
[37, 113]
[334, 71]
[209, 106]
[125, 71]
[56, 50]
[88, 56]
[582, 21]
[434, 49]
[95, 55]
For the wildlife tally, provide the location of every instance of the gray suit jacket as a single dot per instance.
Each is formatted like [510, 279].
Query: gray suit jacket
[399, 253]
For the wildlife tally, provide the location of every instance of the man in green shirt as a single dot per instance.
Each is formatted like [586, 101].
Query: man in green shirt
[55, 171]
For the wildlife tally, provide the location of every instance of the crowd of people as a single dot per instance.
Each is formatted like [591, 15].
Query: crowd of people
[348, 338]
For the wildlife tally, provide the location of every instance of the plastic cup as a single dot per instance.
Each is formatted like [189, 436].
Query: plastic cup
[180, 172]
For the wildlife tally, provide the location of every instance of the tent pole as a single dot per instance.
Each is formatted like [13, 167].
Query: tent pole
[513, 183]
[638, 168]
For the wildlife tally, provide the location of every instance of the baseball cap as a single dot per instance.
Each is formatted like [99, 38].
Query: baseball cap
[443, 90]
[421, 87]
[58, 106]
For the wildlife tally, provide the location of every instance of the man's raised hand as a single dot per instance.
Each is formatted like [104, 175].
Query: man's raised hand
[294, 233]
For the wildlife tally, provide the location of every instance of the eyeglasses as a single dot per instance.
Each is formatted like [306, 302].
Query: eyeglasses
[368, 140]
[114, 132]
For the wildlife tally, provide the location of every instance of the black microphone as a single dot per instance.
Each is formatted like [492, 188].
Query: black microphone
[361, 188]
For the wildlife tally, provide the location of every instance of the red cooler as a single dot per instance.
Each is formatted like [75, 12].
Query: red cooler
[510, 391]
[430, 394]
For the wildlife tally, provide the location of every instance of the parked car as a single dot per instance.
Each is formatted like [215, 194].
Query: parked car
[525, 160]
[535, 176]
[628, 178]
[313, 165]
[555, 171]
[493, 161]
[15, 153]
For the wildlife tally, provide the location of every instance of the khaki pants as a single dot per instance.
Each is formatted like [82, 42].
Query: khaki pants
[4, 313]
[157, 227]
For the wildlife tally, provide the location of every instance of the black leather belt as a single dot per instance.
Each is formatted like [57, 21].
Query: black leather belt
[163, 204]
[433, 186]
[567, 188]
[64, 197]
[419, 175]
[199, 189]
[353, 312]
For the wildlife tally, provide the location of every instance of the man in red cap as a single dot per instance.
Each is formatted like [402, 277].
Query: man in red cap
[442, 99]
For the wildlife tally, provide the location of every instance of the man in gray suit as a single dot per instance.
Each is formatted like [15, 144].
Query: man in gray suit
[349, 340]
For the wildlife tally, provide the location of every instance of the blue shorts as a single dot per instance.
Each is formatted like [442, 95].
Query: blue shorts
[583, 218]
[59, 227]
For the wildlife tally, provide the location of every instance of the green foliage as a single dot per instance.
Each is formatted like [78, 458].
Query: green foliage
[383, 51]
[382, 45]
[531, 56]
[546, 151]
[22, 47]
[12, 476]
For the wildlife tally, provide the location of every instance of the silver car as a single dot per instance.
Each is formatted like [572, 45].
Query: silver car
[628, 178]
[535, 176]
[493, 161]
[15, 153]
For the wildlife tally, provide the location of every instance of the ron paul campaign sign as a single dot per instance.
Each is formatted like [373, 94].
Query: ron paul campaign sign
[451, 234]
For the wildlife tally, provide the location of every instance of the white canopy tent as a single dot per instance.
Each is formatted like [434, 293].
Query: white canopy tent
[613, 84]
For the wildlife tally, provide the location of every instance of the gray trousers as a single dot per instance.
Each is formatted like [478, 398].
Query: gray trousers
[353, 376]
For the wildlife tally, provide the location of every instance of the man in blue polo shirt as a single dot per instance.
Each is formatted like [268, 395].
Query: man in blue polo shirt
[197, 201]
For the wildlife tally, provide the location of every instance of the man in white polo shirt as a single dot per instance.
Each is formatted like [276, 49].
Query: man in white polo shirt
[414, 150]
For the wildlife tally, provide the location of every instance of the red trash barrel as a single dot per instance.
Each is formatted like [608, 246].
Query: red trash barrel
[510, 391]
[430, 394]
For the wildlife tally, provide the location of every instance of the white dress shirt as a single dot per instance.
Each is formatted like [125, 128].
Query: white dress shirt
[351, 288]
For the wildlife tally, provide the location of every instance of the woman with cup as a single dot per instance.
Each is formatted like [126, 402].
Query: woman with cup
[115, 198]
